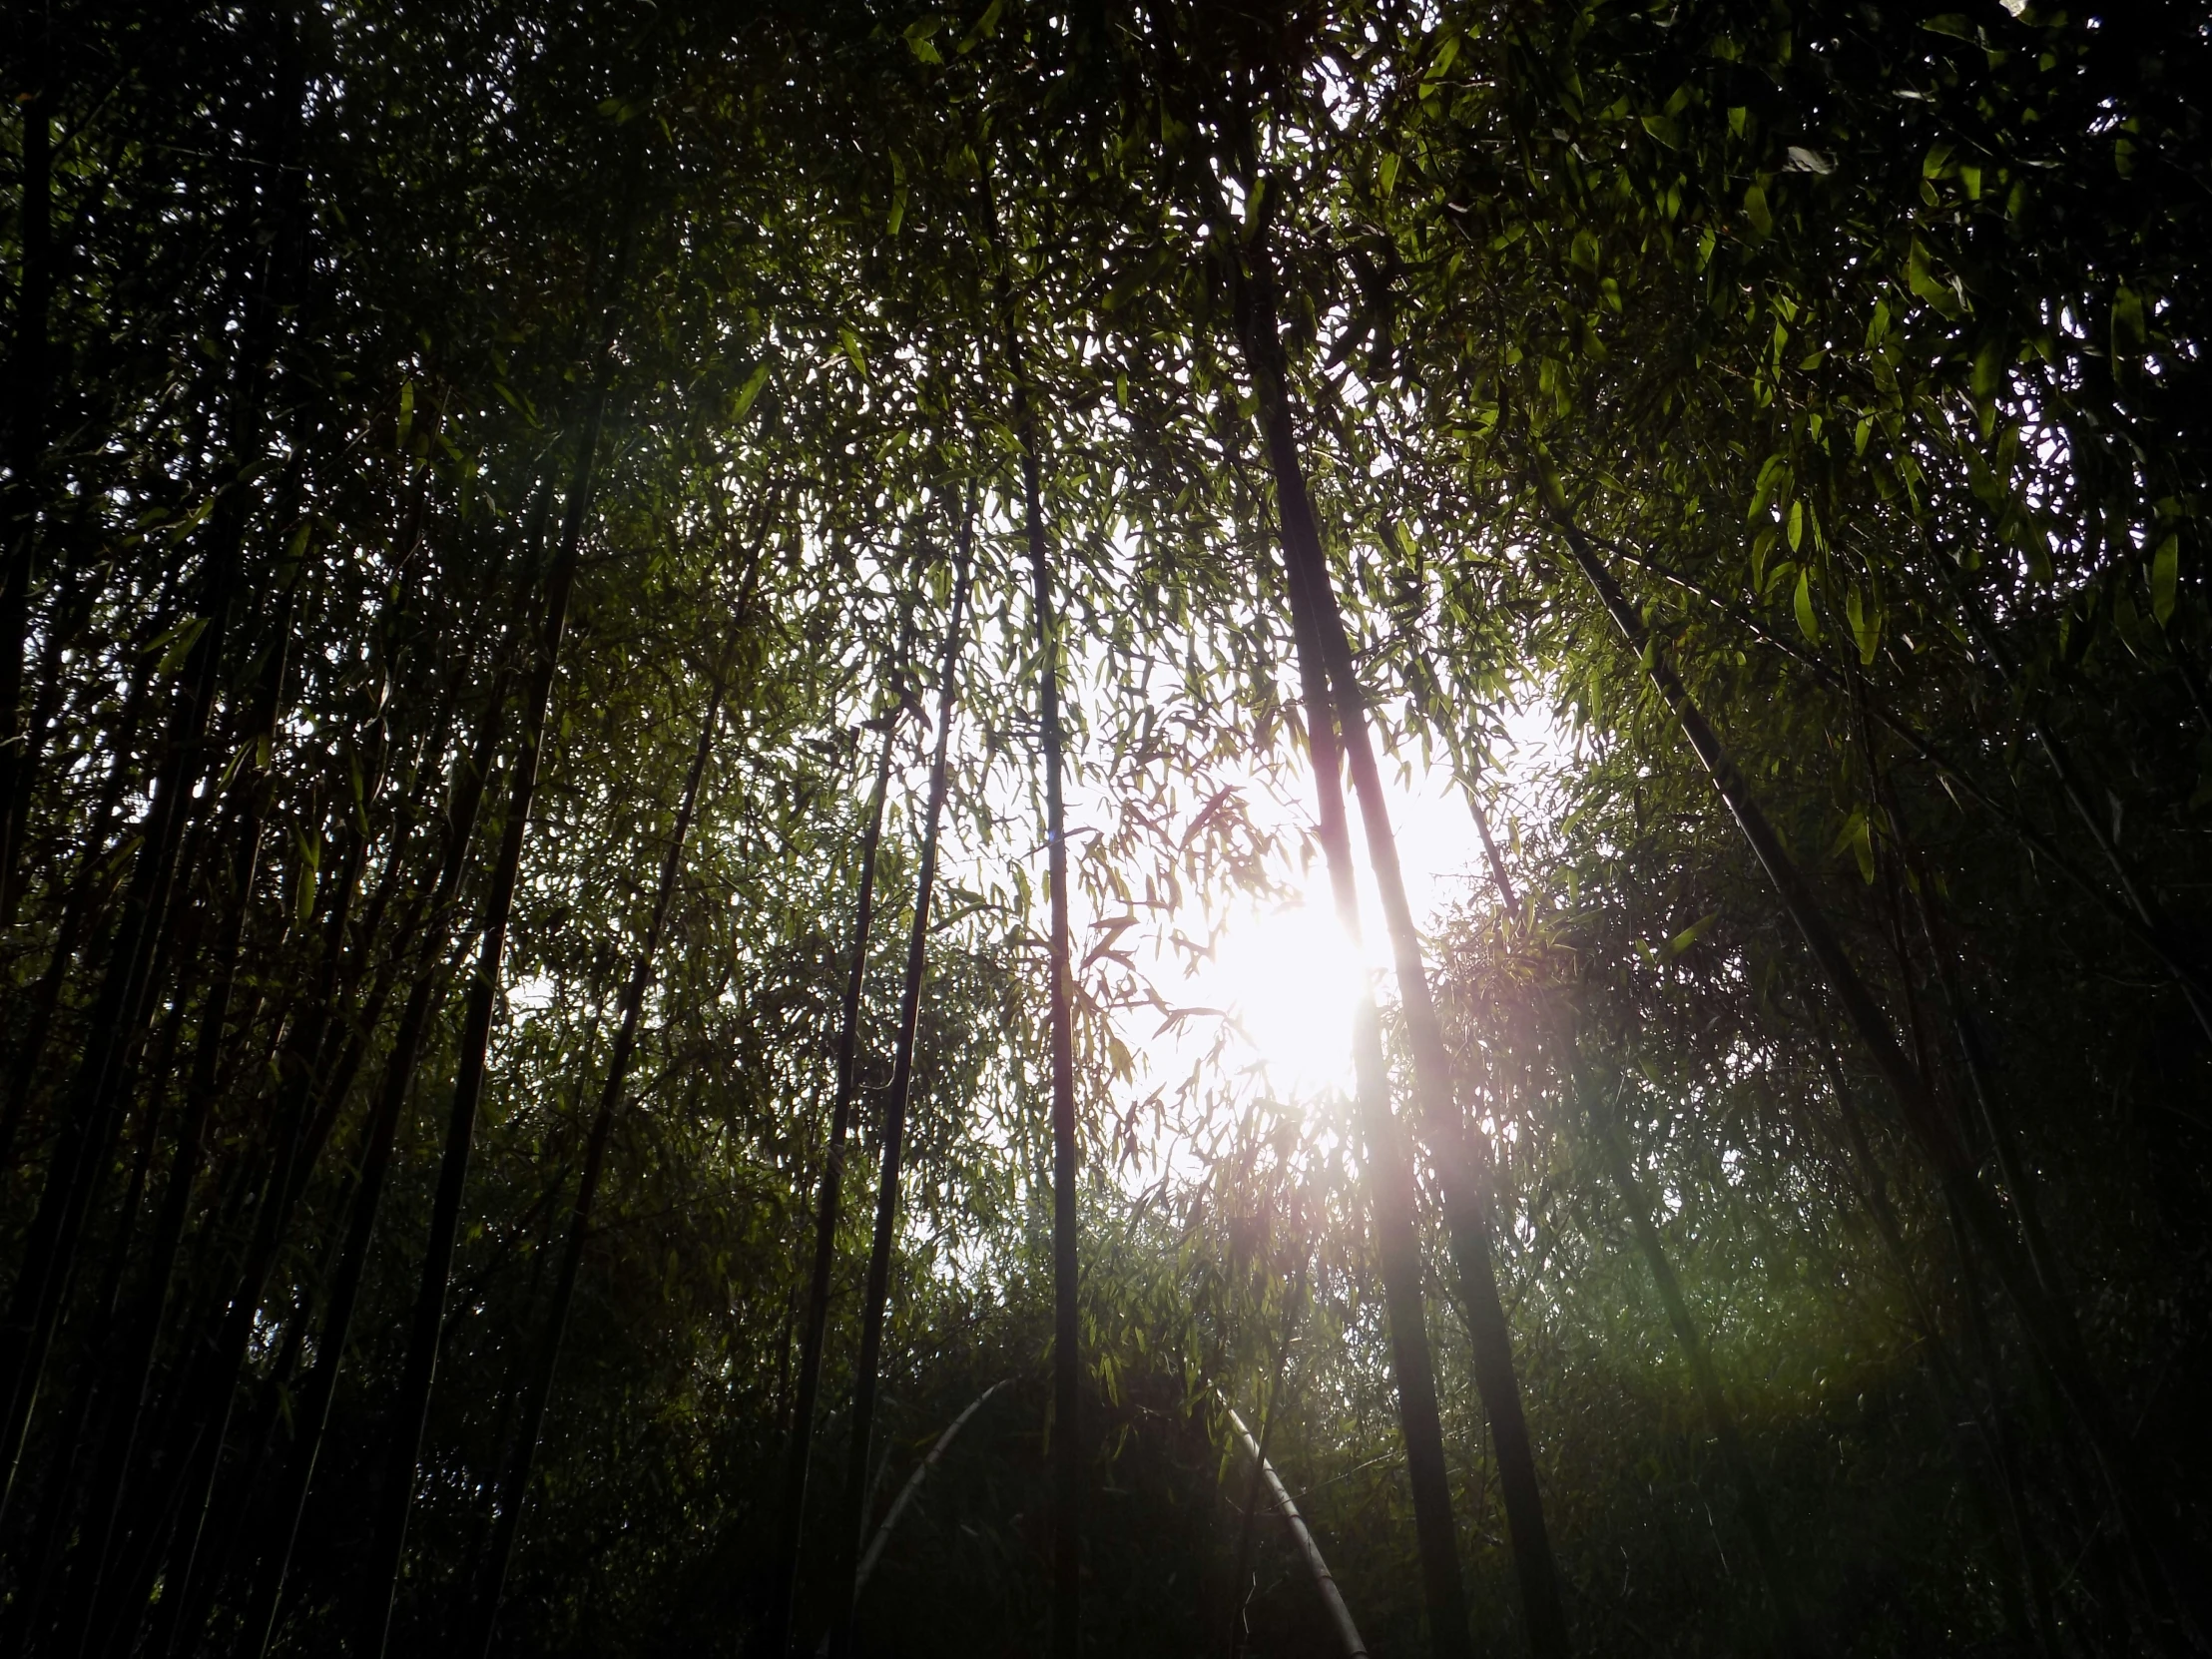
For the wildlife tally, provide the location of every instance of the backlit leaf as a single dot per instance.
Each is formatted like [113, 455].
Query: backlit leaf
[1802, 604]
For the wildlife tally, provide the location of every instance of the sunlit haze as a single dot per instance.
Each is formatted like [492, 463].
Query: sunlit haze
[1282, 978]
[1287, 979]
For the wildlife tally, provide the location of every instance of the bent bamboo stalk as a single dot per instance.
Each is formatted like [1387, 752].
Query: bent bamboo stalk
[1339, 1614]
[914, 1485]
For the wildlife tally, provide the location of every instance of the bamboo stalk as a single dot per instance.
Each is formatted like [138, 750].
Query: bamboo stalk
[1339, 1616]
[419, 1375]
[1466, 1218]
[1067, 1443]
[775, 1636]
[906, 1498]
[515, 1487]
[877, 1292]
[2048, 1321]
[314, 1410]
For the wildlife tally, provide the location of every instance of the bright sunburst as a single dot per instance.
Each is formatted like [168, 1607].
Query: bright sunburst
[1288, 979]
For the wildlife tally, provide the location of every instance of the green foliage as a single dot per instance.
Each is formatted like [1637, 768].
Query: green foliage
[1868, 344]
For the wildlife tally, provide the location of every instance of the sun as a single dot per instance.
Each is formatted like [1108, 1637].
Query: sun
[1290, 981]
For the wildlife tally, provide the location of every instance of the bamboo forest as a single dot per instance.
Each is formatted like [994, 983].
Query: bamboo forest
[1257, 828]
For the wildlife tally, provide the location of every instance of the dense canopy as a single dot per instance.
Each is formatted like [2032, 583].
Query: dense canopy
[675, 672]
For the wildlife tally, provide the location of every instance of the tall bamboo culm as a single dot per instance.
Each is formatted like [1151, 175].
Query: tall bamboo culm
[1466, 1214]
[852, 1517]
[381, 1582]
[2050, 1324]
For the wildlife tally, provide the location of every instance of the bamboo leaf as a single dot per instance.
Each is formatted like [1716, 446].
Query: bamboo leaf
[1856, 836]
[1692, 933]
[918, 38]
[748, 393]
[2127, 321]
[2165, 578]
[1756, 209]
[1921, 278]
[1865, 624]
[174, 644]
[1807, 623]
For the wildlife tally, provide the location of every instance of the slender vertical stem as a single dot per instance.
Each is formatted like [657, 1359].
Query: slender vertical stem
[1468, 1220]
[50, 1256]
[79, 908]
[853, 1516]
[1067, 1376]
[2048, 1321]
[1067, 1362]
[28, 375]
[312, 1413]
[1953, 1395]
[1980, 1082]
[775, 1637]
[142, 1331]
[1321, 636]
[1392, 1191]
[49, 1259]
[418, 1374]
[515, 1485]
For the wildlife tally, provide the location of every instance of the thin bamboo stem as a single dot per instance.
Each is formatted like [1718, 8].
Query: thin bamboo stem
[1325, 1583]
[893, 1138]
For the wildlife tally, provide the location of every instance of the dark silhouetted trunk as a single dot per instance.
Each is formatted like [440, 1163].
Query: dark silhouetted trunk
[51, 1531]
[1068, 1459]
[80, 909]
[853, 1515]
[89, 1129]
[1390, 1181]
[2048, 1322]
[775, 1637]
[1990, 1117]
[28, 392]
[133, 1375]
[1466, 1220]
[515, 1485]
[381, 1581]
[312, 1415]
